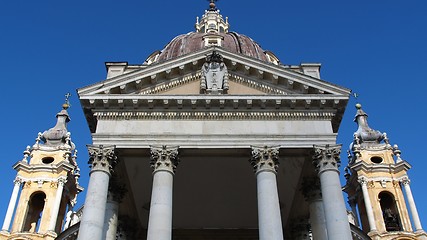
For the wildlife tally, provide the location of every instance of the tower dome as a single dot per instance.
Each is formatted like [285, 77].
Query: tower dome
[212, 30]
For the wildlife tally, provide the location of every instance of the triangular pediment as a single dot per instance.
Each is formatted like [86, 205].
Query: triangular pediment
[182, 76]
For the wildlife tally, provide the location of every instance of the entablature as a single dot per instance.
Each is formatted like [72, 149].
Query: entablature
[279, 102]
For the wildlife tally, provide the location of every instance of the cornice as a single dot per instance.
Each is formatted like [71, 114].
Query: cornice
[388, 168]
[61, 166]
[295, 101]
[193, 62]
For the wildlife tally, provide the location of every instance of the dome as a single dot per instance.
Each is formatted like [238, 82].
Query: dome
[212, 30]
[195, 41]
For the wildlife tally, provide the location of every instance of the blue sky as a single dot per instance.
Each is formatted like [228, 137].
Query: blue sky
[376, 48]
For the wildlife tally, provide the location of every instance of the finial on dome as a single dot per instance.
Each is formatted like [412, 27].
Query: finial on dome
[212, 5]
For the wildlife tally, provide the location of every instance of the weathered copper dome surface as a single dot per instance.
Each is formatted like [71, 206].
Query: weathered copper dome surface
[193, 41]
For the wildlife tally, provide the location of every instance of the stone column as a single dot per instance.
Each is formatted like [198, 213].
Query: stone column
[313, 195]
[115, 195]
[369, 211]
[56, 205]
[412, 206]
[102, 160]
[164, 161]
[265, 163]
[326, 160]
[12, 204]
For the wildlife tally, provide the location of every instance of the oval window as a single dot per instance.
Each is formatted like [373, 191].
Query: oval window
[47, 160]
[376, 159]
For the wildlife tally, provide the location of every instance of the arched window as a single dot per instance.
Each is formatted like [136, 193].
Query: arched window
[34, 212]
[390, 212]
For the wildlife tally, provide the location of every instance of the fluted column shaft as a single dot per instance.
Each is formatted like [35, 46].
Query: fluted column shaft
[164, 161]
[369, 211]
[412, 206]
[102, 160]
[326, 160]
[313, 195]
[12, 204]
[265, 163]
[56, 205]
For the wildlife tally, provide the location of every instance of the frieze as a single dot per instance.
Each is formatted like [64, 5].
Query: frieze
[216, 115]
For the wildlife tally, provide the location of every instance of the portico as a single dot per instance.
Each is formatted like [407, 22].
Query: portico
[215, 106]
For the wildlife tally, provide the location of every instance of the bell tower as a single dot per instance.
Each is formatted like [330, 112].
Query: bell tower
[378, 184]
[46, 185]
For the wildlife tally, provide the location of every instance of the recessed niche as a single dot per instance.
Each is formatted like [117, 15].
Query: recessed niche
[47, 160]
[376, 159]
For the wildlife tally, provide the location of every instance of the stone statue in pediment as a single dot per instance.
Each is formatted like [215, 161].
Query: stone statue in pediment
[214, 78]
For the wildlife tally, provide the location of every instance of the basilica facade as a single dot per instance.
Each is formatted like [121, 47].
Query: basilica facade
[213, 138]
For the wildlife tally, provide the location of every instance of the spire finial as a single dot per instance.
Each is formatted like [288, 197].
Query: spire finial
[212, 5]
[66, 105]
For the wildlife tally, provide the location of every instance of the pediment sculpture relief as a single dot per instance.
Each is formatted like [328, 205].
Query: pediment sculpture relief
[214, 78]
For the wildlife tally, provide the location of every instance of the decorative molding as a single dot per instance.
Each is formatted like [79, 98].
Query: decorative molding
[164, 158]
[102, 158]
[172, 84]
[326, 158]
[265, 159]
[193, 115]
[255, 84]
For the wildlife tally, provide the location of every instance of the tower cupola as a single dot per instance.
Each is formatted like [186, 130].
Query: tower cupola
[46, 183]
[378, 183]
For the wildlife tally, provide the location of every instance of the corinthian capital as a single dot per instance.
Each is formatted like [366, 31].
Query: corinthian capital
[326, 157]
[265, 159]
[164, 158]
[102, 158]
[405, 181]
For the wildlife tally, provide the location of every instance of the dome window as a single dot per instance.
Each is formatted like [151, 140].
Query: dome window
[48, 160]
[376, 159]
